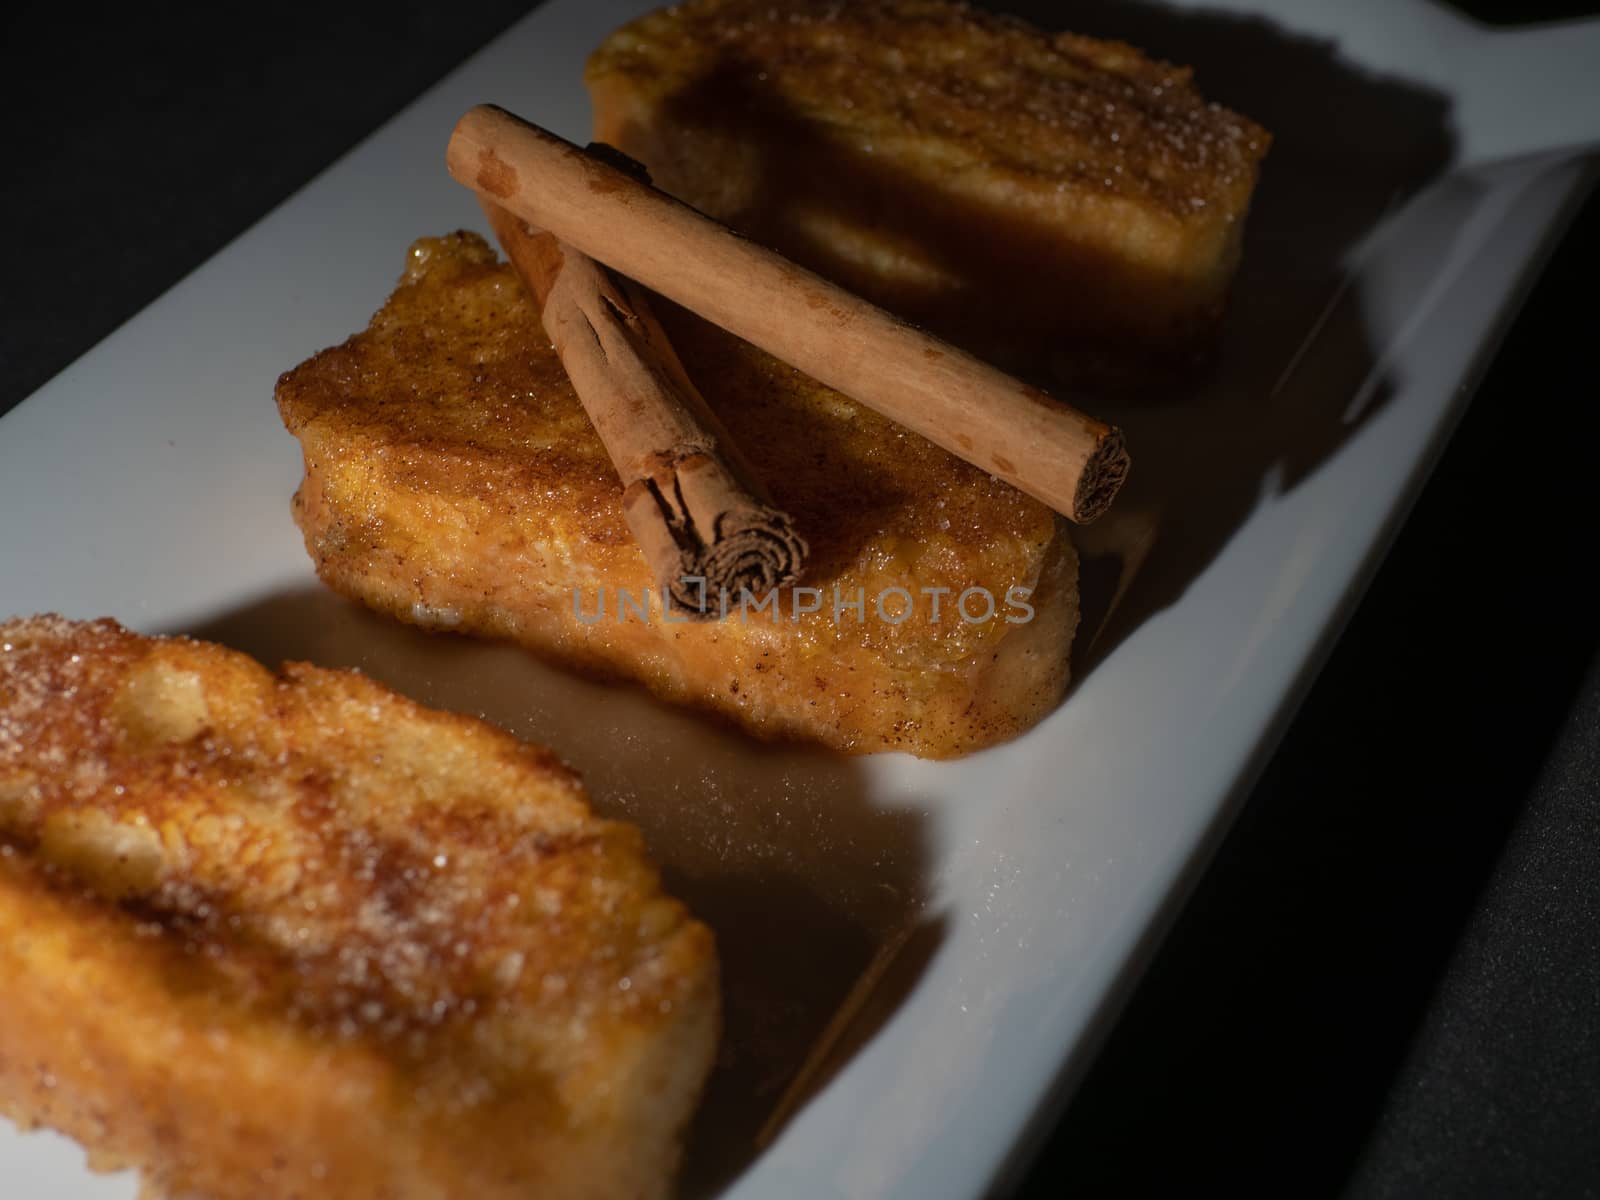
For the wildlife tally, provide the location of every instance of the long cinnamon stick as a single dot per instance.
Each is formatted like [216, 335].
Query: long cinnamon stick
[693, 503]
[1070, 461]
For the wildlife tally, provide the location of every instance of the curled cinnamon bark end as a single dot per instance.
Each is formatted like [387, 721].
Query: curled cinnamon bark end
[711, 535]
[1103, 476]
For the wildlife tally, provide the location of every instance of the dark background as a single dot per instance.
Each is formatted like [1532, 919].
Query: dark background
[1388, 982]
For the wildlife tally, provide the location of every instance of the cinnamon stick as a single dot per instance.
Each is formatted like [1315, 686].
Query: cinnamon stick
[702, 520]
[1011, 429]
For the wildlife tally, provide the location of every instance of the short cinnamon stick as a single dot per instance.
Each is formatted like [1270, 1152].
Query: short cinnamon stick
[694, 506]
[1017, 432]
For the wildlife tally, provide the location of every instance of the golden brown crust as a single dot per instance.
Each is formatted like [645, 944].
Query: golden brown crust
[452, 479]
[1008, 187]
[297, 936]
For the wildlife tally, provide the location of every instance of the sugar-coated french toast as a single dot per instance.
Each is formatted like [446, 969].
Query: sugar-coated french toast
[295, 936]
[453, 480]
[1048, 201]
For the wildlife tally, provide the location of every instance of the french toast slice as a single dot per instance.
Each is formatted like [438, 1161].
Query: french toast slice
[1051, 202]
[296, 936]
[454, 481]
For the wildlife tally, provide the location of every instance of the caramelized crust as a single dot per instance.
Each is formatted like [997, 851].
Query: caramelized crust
[1022, 193]
[295, 935]
[453, 480]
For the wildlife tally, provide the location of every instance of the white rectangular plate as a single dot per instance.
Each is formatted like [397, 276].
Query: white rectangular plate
[1422, 167]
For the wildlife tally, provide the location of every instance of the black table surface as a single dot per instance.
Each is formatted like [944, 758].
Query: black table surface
[1387, 983]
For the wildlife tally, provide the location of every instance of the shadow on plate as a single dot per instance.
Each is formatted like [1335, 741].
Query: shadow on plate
[1297, 370]
[815, 889]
